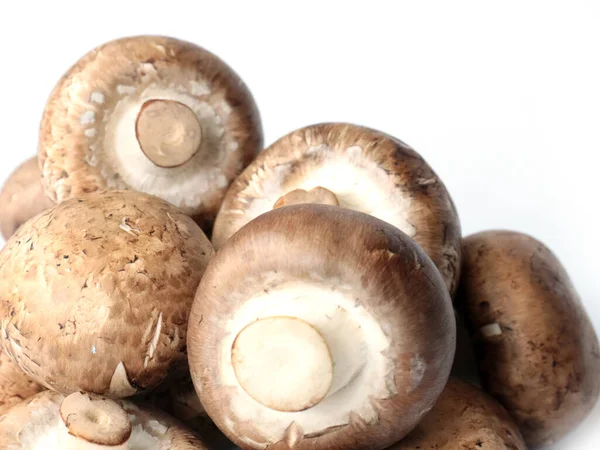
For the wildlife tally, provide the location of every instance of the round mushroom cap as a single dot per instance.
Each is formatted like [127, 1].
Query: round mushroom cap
[367, 170]
[536, 348]
[324, 289]
[22, 197]
[97, 291]
[41, 423]
[15, 385]
[464, 417]
[151, 114]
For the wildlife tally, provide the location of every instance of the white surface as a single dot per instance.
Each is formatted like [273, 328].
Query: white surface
[502, 100]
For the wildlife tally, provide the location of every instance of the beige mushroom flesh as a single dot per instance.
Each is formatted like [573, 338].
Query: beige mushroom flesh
[356, 168]
[537, 351]
[22, 197]
[15, 385]
[342, 334]
[464, 417]
[151, 114]
[80, 421]
[97, 291]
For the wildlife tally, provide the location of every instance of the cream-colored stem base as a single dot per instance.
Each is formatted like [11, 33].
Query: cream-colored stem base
[318, 195]
[168, 132]
[283, 363]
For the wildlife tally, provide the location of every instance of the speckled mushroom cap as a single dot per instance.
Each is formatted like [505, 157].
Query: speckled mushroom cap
[368, 171]
[97, 290]
[22, 197]
[464, 417]
[151, 114]
[15, 385]
[89, 423]
[341, 334]
[536, 348]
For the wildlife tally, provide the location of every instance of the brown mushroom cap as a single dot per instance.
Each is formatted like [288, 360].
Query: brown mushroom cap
[373, 295]
[368, 171]
[22, 197]
[37, 423]
[15, 385]
[536, 348]
[464, 417]
[96, 293]
[151, 114]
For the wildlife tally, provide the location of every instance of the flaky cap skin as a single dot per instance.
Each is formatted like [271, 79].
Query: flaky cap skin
[537, 351]
[79, 150]
[95, 293]
[425, 210]
[387, 274]
[23, 425]
[22, 197]
[464, 417]
[15, 385]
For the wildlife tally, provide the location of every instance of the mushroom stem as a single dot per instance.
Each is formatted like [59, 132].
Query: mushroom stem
[168, 132]
[90, 421]
[318, 195]
[273, 354]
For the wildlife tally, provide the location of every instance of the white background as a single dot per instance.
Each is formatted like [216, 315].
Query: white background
[502, 98]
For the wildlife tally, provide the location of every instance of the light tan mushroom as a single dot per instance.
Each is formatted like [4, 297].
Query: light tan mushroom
[151, 114]
[22, 197]
[536, 348]
[464, 418]
[357, 168]
[81, 421]
[15, 385]
[97, 290]
[317, 327]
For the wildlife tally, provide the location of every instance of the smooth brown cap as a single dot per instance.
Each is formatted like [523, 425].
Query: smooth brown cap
[88, 139]
[536, 348]
[464, 417]
[357, 280]
[366, 170]
[22, 197]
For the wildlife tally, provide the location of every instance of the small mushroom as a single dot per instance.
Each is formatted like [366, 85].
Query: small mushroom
[22, 197]
[341, 334]
[537, 351]
[15, 385]
[464, 417]
[357, 168]
[97, 290]
[84, 421]
[151, 114]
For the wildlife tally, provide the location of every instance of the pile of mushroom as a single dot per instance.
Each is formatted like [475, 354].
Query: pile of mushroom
[325, 319]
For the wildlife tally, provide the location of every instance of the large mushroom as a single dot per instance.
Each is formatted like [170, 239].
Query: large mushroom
[82, 421]
[317, 327]
[151, 114]
[464, 417]
[22, 197]
[357, 168]
[15, 385]
[536, 348]
[96, 293]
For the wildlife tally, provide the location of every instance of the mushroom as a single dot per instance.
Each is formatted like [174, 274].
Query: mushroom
[181, 401]
[22, 197]
[15, 385]
[97, 290]
[464, 417]
[151, 114]
[84, 421]
[537, 351]
[357, 168]
[341, 334]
